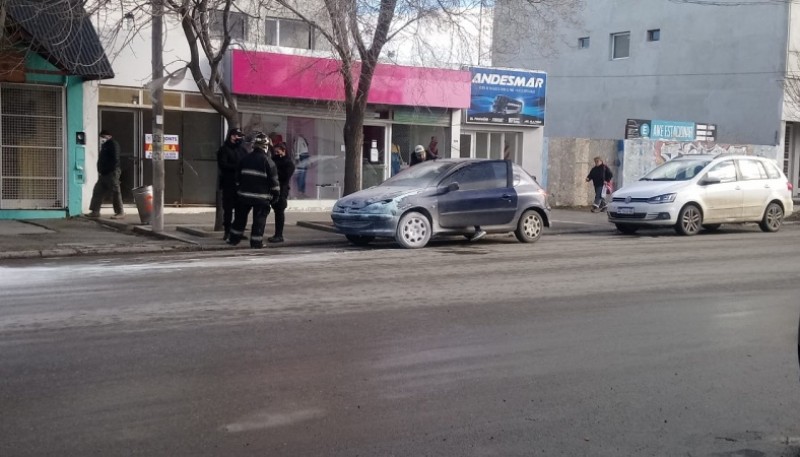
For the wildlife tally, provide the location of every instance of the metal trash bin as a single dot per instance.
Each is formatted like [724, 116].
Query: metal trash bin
[143, 196]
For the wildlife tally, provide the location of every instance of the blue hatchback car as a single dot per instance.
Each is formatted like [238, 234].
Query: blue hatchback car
[446, 197]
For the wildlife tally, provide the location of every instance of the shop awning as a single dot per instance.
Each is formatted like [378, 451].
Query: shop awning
[313, 78]
[62, 33]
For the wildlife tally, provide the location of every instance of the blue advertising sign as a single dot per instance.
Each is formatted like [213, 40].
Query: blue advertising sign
[505, 96]
[672, 130]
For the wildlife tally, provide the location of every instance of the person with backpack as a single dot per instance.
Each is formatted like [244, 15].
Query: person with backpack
[599, 175]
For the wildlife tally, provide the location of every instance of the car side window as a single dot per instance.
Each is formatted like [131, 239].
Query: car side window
[479, 176]
[772, 170]
[751, 170]
[724, 171]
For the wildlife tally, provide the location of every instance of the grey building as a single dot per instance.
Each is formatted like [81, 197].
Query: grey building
[723, 62]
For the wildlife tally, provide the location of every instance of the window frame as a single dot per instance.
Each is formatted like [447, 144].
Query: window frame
[654, 35]
[614, 45]
[584, 42]
[311, 37]
[215, 25]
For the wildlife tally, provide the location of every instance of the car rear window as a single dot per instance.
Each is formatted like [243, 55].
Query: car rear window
[772, 170]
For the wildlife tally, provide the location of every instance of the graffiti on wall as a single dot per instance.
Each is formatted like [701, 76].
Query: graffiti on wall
[665, 151]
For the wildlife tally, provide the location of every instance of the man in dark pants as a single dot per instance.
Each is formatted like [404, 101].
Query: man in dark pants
[228, 157]
[285, 168]
[108, 180]
[258, 186]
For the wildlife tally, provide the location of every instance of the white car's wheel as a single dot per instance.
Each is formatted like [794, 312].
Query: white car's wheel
[413, 231]
[690, 219]
[773, 218]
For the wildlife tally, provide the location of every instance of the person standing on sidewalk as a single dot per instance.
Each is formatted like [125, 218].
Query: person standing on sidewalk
[108, 168]
[228, 157]
[285, 167]
[599, 175]
[258, 186]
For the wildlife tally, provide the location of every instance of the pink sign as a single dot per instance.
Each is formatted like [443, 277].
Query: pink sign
[312, 78]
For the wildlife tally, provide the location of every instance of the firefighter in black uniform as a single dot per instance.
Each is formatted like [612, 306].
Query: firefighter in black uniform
[285, 171]
[228, 157]
[258, 186]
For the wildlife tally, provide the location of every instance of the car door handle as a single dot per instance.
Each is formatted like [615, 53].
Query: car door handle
[506, 197]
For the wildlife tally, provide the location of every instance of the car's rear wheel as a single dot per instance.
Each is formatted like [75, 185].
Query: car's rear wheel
[711, 227]
[413, 231]
[628, 229]
[360, 240]
[690, 219]
[529, 227]
[773, 218]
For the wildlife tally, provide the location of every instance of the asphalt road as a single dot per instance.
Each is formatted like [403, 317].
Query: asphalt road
[601, 345]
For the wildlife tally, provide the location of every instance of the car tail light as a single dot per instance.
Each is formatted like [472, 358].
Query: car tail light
[789, 186]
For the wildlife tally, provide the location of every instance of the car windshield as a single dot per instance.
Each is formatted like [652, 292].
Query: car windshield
[677, 170]
[422, 175]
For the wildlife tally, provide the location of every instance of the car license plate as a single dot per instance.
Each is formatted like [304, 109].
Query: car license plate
[625, 210]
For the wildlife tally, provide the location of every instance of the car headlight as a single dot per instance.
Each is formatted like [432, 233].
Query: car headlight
[666, 198]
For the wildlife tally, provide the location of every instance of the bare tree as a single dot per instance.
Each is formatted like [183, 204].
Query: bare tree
[358, 30]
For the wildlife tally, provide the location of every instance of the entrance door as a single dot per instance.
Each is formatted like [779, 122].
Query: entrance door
[123, 125]
[791, 156]
[374, 160]
[465, 145]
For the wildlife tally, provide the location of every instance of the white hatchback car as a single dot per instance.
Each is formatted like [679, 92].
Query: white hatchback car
[697, 192]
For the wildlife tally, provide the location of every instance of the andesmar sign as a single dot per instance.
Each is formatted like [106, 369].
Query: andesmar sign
[507, 96]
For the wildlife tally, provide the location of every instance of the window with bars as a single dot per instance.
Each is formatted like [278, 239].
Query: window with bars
[31, 147]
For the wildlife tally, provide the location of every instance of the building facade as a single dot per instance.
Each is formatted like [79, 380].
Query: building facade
[723, 63]
[43, 116]
[286, 84]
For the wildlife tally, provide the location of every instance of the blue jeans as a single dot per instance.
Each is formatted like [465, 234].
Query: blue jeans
[598, 196]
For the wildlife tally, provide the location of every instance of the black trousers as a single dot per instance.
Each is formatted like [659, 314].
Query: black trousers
[260, 213]
[107, 184]
[228, 205]
[279, 206]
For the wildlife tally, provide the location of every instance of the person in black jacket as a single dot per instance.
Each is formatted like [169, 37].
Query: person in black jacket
[285, 167]
[599, 175]
[228, 157]
[258, 186]
[109, 171]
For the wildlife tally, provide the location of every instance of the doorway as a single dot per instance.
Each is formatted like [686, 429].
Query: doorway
[124, 127]
[374, 163]
[791, 156]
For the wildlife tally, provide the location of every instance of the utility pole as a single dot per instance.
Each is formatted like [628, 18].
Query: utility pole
[156, 95]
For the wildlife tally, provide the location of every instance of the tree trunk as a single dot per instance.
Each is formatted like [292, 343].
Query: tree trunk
[353, 145]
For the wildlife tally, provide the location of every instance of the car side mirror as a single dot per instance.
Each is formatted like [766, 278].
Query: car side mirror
[452, 187]
[710, 180]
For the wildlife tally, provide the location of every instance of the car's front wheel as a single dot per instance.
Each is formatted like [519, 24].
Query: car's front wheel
[360, 240]
[413, 231]
[628, 229]
[773, 218]
[690, 219]
[529, 227]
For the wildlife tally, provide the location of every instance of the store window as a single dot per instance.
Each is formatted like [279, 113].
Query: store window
[289, 33]
[316, 146]
[499, 146]
[406, 137]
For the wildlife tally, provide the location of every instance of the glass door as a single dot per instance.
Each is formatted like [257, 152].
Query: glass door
[374, 160]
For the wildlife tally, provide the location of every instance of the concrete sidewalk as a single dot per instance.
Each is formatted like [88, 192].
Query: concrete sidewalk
[191, 229]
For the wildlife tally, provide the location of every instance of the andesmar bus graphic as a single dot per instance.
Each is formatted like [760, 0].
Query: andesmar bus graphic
[506, 96]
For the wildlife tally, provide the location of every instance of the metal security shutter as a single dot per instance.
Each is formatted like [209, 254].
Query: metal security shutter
[31, 147]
